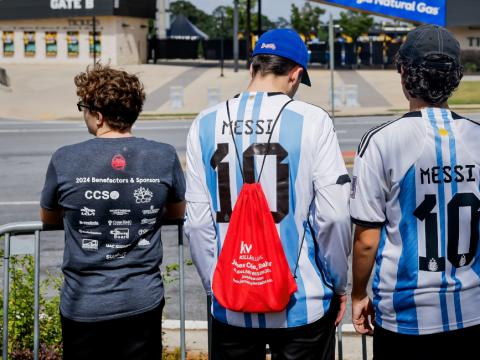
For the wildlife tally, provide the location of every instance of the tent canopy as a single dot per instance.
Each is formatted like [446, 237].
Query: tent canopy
[182, 28]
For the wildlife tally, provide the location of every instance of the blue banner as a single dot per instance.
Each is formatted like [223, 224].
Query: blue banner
[424, 11]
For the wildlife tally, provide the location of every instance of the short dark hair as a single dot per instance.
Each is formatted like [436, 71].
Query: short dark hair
[271, 64]
[433, 80]
[116, 94]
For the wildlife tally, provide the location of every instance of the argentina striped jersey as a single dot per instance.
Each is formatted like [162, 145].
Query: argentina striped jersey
[418, 179]
[308, 167]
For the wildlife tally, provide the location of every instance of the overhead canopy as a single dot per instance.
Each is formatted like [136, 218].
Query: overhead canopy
[424, 11]
[182, 28]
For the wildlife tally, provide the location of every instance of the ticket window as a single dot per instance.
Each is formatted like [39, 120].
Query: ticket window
[29, 43]
[51, 44]
[8, 42]
[97, 47]
[73, 44]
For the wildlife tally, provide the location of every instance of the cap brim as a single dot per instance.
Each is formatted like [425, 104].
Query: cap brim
[306, 78]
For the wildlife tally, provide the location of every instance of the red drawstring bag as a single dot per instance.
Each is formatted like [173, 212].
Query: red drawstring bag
[252, 273]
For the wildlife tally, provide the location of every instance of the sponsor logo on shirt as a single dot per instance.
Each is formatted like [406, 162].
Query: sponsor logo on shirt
[120, 233]
[120, 212]
[143, 242]
[101, 195]
[119, 162]
[150, 221]
[120, 255]
[88, 223]
[143, 195]
[151, 211]
[117, 246]
[87, 212]
[89, 232]
[89, 244]
[119, 222]
[142, 231]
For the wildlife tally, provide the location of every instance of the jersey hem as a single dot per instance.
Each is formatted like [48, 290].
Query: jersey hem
[428, 331]
[110, 317]
[369, 224]
[283, 327]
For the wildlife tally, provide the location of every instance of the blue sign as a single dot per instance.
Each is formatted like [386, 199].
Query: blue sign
[423, 11]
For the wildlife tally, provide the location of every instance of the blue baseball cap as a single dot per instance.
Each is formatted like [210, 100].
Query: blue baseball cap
[285, 43]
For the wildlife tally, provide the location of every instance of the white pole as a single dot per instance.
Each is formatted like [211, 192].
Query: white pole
[235, 35]
[331, 35]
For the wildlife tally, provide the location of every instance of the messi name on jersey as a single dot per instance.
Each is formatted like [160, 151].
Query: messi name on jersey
[447, 174]
[248, 127]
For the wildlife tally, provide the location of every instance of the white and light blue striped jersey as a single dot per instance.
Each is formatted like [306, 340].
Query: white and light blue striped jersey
[304, 178]
[418, 178]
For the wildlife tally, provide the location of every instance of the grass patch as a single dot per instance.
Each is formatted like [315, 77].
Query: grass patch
[468, 93]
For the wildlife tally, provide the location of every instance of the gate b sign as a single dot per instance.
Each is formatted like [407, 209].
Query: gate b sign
[422, 11]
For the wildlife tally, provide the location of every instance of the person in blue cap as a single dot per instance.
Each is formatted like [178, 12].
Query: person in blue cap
[307, 188]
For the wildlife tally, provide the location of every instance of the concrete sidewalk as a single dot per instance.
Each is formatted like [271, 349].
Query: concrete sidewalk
[47, 92]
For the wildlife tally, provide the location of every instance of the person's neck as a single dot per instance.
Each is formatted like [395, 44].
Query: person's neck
[268, 84]
[112, 134]
[416, 105]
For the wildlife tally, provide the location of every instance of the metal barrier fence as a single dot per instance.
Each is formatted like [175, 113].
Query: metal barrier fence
[36, 227]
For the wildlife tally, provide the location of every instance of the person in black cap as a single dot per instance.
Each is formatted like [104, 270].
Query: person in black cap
[306, 185]
[415, 201]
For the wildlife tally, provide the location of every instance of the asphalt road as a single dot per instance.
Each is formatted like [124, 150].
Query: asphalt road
[25, 150]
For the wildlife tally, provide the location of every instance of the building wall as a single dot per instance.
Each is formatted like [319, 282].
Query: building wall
[122, 40]
[468, 37]
[131, 40]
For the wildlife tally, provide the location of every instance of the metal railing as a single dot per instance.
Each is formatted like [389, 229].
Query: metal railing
[35, 228]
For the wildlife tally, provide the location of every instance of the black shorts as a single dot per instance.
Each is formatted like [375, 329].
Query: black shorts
[137, 337]
[314, 341]
[450, 345]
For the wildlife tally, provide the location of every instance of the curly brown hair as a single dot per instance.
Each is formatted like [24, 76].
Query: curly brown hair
[116, 94]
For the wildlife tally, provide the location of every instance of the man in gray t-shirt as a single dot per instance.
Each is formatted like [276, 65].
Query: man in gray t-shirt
[111, 194]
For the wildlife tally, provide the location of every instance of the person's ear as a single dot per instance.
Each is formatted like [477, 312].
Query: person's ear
[99, 118]
[296, 75]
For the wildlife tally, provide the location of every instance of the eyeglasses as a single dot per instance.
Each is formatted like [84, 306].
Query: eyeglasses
[81, 106]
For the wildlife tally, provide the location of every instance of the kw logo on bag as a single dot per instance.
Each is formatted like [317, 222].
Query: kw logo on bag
[245, 248]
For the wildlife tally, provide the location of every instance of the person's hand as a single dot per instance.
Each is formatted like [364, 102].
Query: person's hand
[342, 306]
[363, 315]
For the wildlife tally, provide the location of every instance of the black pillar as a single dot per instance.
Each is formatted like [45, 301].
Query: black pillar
[259, 28]
[249, 31]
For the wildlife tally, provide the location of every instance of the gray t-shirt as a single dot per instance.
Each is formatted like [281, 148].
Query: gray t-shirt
[113, 192]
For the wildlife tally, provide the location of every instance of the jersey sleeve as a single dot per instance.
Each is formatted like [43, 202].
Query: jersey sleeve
[199, 226]
[49, 198]
[195, 174]
[369, 188]
[330, 216]
[329, 166]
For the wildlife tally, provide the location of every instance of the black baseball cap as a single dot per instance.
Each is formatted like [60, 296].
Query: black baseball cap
[429, 40]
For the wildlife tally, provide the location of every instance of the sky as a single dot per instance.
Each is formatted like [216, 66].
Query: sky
[273, 8]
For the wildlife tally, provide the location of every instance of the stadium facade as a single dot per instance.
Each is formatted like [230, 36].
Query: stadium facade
[61, 31]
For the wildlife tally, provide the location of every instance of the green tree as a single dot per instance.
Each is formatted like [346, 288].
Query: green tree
[355, 24]
[199, 18]
[306, 20]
